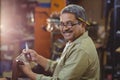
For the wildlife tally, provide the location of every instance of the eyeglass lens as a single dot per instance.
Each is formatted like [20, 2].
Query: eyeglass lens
[68, 24]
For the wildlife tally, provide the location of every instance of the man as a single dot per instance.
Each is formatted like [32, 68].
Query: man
[79, 60]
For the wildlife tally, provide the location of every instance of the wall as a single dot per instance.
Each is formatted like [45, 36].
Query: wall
[94, 9]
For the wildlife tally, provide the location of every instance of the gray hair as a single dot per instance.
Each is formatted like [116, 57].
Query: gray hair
[77, 10]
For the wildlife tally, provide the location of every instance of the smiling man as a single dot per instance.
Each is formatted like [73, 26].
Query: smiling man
[79, 60]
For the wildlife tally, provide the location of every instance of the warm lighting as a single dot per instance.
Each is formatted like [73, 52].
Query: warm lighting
[52, 24]
[30, 17]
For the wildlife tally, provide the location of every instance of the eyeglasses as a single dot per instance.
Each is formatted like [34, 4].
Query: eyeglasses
[68, 24]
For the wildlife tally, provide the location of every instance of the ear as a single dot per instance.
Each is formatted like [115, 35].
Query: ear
[83, 24]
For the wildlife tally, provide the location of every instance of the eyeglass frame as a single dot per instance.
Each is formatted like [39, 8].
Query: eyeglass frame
[69, 25]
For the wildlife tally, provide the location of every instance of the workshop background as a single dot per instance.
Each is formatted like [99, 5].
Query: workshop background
[29, 21]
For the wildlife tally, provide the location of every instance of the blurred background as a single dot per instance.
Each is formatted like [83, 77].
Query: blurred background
[29, 21]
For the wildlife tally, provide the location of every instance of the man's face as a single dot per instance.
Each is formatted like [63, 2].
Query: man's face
[70, 27]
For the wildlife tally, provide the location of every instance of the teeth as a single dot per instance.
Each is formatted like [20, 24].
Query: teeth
[67, 34]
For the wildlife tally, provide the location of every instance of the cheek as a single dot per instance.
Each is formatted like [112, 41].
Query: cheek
[79, 31]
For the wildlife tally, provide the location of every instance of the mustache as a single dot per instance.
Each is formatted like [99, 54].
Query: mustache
[67, 31]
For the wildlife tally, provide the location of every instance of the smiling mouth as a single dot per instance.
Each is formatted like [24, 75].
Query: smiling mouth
[64, 32]
[67, 34]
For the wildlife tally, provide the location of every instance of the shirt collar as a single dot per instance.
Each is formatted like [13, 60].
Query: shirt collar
[80, 38]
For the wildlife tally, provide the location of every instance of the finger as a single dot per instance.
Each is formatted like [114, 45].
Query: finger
[31, 56]
[24, 50]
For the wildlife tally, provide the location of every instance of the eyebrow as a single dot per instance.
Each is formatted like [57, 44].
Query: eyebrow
[70, 20]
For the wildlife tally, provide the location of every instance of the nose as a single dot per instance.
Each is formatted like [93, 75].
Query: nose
[65, 29]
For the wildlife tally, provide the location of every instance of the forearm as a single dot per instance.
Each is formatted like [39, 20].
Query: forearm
[3, 79]
[27, 70]
[31, 75]
[42, 61]
[47, 64]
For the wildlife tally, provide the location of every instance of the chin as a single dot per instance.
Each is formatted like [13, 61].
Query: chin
[68, 39]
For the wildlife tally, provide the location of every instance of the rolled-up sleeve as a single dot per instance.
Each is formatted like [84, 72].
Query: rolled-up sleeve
[73, 68]
[42, 77]
[51, 66]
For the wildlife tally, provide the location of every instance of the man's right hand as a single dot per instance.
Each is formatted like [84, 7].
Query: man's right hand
[33, 55]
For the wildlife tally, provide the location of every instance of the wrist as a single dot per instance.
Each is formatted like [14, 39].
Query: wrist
[32, 75]
[37, 58]
[7, 78]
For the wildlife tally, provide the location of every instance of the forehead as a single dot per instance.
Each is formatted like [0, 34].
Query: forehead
[67, 17]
